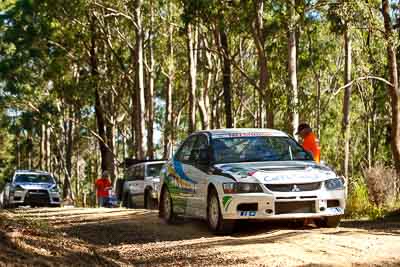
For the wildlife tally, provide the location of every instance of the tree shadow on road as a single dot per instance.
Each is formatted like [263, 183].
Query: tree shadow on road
[148, 228]
[387, 225]
[19, 250]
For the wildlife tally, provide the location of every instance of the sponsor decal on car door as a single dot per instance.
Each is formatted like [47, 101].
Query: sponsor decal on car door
[180, 184]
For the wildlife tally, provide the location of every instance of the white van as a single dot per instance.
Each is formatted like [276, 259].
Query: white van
[141, 184]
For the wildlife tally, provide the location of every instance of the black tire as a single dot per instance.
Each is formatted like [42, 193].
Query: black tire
[119, 186]
[215, 221]
[10, 206]
[149, 202]
[131, 203]
[127, 201]
[298, 223]
[329, 222]
[166, 211]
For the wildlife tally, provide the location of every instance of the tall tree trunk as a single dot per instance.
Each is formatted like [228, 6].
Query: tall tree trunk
[67, 124]
[292, 64]
[259, 40]
[204, 100]
[215, 124]
[226, 70]
[141, 111]
[191, 31]
[29, 149]
[110, 135]
[47, 154]
[347, 102]
[42, 146]
[317, 78]
[394, 89]
[17, 141]
[99, 110]
[150, 90]
[134, 126]
[101, 126]
[168, 120]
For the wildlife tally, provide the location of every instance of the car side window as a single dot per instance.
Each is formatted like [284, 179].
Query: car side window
[186, 149]
[201, 144]
[130, 174]
[139, 173]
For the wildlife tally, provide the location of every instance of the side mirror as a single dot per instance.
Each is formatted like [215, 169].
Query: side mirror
[8, 180]
[308, 155]
[204, 158]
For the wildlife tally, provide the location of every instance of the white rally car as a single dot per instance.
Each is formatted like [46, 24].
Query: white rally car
[235, 174]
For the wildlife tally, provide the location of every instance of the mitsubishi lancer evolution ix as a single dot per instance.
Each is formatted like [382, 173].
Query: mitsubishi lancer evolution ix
[259, 174]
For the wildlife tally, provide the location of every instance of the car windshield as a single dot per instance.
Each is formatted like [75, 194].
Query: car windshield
[154, 169]
[257, 148]
[34, 178]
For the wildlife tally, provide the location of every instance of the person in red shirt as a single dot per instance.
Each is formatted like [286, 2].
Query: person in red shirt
[310, 141]
[103, 184]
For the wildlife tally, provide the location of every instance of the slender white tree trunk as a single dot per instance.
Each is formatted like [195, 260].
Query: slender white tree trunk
[141, 109]
[347, 102]
[293, 68]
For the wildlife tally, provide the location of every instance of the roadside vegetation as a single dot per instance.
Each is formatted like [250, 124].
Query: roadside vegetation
[373, 195]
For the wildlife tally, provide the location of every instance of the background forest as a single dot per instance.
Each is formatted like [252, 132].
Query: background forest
[85, 84]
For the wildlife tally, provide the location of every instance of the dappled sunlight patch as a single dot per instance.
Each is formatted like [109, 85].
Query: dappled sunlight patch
[138, 237]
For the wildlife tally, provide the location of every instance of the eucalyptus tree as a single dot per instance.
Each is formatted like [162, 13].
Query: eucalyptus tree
[393, 88]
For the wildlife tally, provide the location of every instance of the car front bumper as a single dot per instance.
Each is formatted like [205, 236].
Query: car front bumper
[44, 197]
[265, 206]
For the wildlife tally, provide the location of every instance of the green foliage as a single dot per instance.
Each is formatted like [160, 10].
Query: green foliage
[359, 204]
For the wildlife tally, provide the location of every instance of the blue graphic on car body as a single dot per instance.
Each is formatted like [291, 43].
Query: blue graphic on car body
[179, 170]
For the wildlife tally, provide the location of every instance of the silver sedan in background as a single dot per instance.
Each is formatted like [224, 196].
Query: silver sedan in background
[33, 188]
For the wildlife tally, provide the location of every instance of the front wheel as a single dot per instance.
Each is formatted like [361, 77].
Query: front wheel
[149, 202]
[215, 221]
[329, 222]
[127, 201]
[166, 207]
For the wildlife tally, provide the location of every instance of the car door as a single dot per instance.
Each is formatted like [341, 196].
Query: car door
[129, 180]
[180, 185]
[138, 185]
[197, 170]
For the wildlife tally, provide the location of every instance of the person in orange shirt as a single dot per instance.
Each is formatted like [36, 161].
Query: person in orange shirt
[310, 141]
[103, 184]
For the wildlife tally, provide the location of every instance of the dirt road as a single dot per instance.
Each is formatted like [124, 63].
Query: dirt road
[121, 237]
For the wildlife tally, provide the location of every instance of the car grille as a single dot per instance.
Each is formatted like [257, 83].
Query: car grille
[294, 187]
[37, 197]
[294, 207]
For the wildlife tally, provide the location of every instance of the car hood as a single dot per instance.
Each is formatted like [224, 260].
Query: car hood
[36, 186]
[284, 172]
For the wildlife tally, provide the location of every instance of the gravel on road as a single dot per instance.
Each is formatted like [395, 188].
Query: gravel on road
[128, 237]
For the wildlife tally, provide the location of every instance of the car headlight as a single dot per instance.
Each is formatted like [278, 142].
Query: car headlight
[235, 188]
[54, 190]
[18, 188]
[335, 184]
